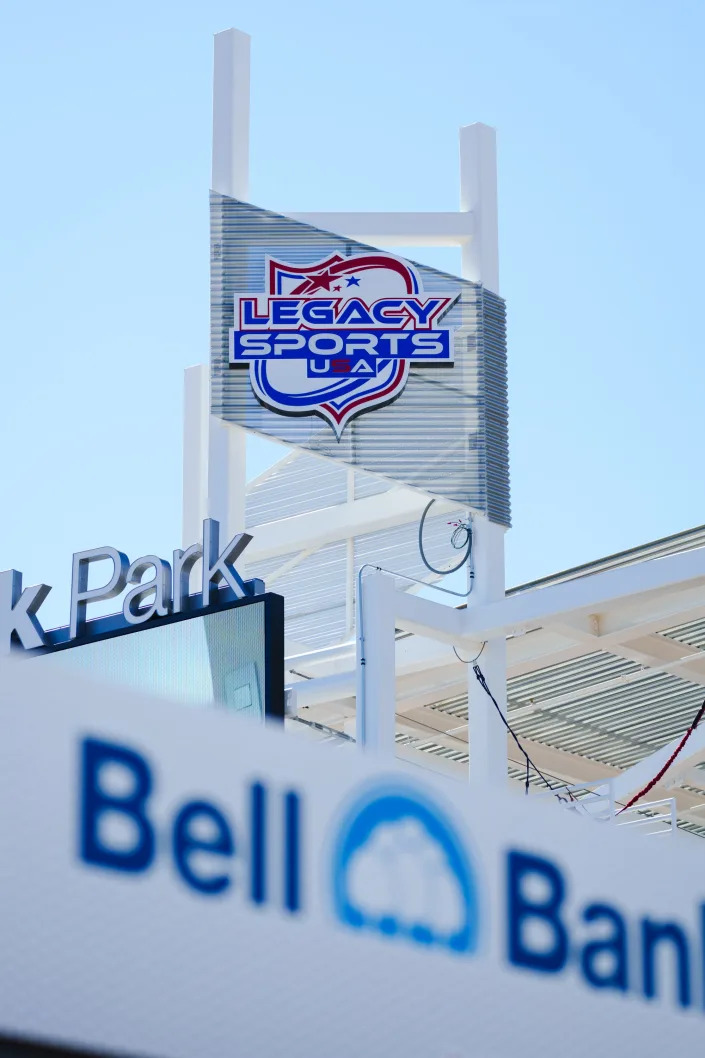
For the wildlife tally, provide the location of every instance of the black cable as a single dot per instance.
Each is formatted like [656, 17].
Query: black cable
[461, 538]
[479, 675]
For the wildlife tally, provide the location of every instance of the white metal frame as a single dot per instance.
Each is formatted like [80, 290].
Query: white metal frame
[620, 611]
[214, 453]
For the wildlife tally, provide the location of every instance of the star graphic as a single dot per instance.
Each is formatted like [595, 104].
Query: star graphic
[322, 281]
[353, 281]
[337, 287]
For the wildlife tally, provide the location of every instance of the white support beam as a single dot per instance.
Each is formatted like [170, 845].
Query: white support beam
[427, 618]
[225, 472]
[231, 114]
[195, 455]
[376, 689]
[342, 521]
[227, 479]
[561, 603]
[487, 735]
[478, 195]
[396, 229]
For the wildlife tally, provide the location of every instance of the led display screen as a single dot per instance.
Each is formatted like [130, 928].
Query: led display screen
[228, 656]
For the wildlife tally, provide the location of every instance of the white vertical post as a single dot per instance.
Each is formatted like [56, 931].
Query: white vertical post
[376, 683]
[478, 194]
[486, 732]
[480, 263]
[231, 114]
[195, 459]
[227, 478]
[215, 484]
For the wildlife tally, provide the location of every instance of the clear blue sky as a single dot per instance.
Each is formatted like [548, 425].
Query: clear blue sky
[104, 251]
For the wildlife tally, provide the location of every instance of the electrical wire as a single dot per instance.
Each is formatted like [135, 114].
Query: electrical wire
[479, 676]
[471, 661]
[460, 539]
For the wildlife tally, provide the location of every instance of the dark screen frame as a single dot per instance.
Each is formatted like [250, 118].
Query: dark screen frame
[102, 628]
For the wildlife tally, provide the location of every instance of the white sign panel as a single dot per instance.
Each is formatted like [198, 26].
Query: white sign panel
[177, 883]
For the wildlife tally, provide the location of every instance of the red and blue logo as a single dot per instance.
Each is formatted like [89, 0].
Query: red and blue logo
[337, 338]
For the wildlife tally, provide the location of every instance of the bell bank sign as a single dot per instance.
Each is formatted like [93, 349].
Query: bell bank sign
[211, 887]
[153, 587]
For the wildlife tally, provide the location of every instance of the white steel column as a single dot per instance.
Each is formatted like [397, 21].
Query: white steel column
[478, 195]
[215, 471]
[231, 114]
[214, 466]
[195, 459]
[227, 478]
[227, 448]
[486, 732]
[376, 684]
[480, 263]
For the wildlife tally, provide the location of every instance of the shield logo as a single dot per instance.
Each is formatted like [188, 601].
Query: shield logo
[337, 338]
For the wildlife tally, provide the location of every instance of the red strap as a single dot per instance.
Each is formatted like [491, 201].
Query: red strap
[668, 763]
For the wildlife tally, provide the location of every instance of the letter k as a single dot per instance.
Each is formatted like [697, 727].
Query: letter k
[217, 566]
[18, 611]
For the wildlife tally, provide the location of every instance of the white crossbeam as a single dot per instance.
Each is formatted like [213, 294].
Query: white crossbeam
[396, 229]
[342, 521]
[562, 602]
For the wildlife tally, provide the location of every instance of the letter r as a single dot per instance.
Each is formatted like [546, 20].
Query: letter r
[96, 803]
[521, 910]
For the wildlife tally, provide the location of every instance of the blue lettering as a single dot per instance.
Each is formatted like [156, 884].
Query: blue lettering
[292, 853]
[258, 857]
[543, 913]
[248, 311]
[186, 843]
[98, 805]
[423, 310]
[652, 934]
[604, 962]
[285, 311]
[318, 312]
[354, 311]
[389, 311]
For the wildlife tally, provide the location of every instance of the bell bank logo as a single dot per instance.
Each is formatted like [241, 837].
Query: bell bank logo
[400, 869]
[337, 338]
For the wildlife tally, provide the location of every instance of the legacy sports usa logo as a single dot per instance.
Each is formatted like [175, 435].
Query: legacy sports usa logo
[337, 338]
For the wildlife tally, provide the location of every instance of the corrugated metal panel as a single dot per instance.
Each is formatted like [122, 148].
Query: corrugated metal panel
[691, 634]
[617, 727]
[368, 485]
[296, 487]
[446, 433]
[667, 545]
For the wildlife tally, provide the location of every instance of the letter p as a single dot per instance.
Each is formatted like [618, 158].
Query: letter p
[97, 805]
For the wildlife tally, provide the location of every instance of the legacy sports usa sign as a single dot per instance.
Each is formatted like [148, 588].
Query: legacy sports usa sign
[337, 338]
[179, 882]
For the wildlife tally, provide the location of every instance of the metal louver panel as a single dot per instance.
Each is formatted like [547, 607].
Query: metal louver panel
[445, 434]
